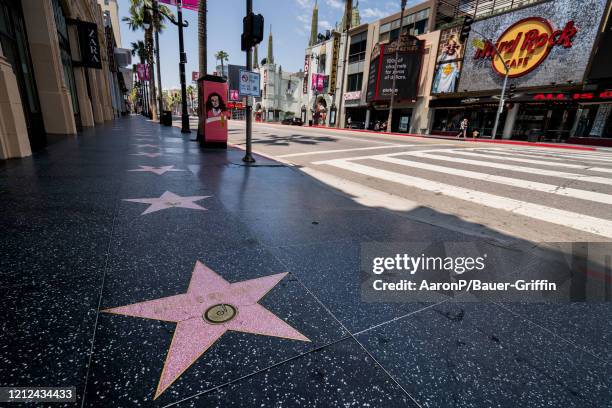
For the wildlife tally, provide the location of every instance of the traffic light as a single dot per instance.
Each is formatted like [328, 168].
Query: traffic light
[511, 91]
[252, 30]
[465, 29]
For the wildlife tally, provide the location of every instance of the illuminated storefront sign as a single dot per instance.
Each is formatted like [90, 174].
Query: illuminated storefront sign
[306, 69]
[334, 69]
[577, 96]
[526, 44]
[544, 44]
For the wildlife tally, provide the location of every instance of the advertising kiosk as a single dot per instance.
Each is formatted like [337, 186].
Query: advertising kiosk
[215, 113]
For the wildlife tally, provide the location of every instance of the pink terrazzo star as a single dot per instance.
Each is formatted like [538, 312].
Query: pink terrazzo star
[194, 334]
[168, 200]
[146, 154]
[157, 170]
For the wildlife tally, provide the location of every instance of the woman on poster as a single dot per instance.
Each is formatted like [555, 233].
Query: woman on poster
[216, 111]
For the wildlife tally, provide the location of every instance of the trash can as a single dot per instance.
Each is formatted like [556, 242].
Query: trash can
[166, 118]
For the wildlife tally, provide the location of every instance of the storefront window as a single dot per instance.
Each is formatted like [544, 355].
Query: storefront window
[594, 121]
[16, 50]
[355, 82]
[357, 49]
[62, 34]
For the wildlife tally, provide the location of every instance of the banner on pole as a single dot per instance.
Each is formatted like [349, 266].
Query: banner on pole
[187, 4]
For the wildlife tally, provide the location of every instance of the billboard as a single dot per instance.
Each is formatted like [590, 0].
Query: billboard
[382, 65]
[448, 62]
[320, 83]
[233, 76]
[549, 43]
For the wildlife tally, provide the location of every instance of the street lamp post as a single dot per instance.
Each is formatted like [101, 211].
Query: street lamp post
[399, 38]
[160, 98]
[248, 156]
[182, 61]
[500, 108]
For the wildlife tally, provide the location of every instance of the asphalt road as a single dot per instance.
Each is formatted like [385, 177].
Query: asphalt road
[532, 193]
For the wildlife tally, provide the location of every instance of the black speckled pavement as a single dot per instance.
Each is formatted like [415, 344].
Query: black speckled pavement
[79, 259]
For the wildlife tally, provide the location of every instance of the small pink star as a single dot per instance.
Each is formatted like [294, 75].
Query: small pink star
[146, 145]
[168, 200]
[146, 154]
[157, 170]
[211, 307]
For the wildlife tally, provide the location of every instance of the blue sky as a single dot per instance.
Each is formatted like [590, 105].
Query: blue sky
[290, 21]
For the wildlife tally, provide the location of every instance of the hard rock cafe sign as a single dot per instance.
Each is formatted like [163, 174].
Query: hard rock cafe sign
[526, 44]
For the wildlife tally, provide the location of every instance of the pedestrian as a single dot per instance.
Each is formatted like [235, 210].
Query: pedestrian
[377, 126]
[464, 128]
[475, 134]
[349, 120]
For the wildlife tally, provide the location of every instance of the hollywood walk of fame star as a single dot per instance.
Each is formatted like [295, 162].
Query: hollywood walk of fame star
[146, 145]
[146, 154]
[157, 170]
[168, 200]
[211, 307]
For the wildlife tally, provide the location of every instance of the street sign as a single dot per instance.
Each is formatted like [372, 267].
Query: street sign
[249, 83]
[478, 43]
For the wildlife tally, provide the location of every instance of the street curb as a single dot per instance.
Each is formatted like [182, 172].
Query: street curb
[509, 142]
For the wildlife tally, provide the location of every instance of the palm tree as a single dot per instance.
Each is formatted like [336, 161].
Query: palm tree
[139, 18]
[138, 49]
[190, 91]
[222, 56]
[176, 102]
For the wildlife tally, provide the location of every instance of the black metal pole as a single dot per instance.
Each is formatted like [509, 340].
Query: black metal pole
[183, 61]
[248, 157]
[158, 97]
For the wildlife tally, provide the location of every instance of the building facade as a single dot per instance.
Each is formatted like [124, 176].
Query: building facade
[54, 72]
[559, 85]
[281, 95]
[341, 67]
[415, 70]
[325, 59]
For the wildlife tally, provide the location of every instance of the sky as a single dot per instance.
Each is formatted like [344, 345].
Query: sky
[290, 20]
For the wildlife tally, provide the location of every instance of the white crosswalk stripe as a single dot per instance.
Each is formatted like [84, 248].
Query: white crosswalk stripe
[516, 205]
[432, 154]
[508, 181]
[571, 156]
[502, 155]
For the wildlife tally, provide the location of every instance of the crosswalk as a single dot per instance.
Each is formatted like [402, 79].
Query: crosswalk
[572, 189]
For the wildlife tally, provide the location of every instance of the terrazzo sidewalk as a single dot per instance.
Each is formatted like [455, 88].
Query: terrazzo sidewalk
[147, 272]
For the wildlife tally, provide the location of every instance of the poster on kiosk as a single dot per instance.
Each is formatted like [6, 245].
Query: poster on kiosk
[215, 114]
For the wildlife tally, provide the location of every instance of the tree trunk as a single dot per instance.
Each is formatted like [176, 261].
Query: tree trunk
[152, 93]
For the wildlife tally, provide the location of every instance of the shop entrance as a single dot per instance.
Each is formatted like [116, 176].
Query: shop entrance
[545, 122]
[594, 121]
[16, 50]
[357, 116]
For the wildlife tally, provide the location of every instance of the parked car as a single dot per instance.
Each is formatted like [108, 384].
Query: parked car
[355, 124]
[292, 121]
